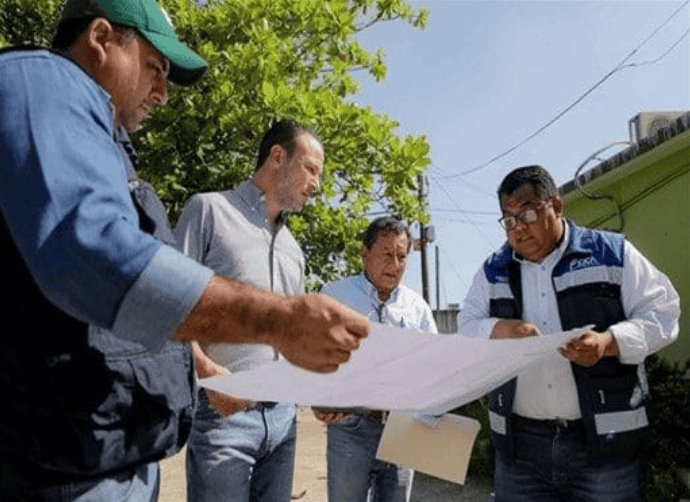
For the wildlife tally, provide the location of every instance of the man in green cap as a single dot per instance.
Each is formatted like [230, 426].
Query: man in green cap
[96, 384]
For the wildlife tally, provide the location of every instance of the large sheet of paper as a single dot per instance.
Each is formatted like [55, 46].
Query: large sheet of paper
[397, 369]
[440, 448]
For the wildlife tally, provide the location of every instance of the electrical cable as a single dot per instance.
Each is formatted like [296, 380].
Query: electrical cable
[620, 66]
[591, 196]
[476, 227]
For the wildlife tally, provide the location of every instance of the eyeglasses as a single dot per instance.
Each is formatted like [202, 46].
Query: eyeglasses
[527, 216]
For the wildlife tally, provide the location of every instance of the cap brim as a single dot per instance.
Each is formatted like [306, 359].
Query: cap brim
[186, 67]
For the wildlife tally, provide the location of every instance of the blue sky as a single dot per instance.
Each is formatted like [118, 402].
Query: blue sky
[484, 75]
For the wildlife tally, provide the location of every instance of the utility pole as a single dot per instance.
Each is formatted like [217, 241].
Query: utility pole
[425, 236]
[425, 271]
[438, 292]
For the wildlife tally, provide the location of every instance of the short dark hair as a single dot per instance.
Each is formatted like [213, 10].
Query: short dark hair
[385, 225]
[534, 175]
[69, 30]
[283, 133]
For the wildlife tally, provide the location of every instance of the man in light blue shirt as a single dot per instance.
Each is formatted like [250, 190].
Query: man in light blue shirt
[354, 473]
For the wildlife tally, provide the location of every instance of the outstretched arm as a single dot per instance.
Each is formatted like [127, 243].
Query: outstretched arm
[312, 331]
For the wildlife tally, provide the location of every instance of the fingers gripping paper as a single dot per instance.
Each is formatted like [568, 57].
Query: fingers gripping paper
[398, 369]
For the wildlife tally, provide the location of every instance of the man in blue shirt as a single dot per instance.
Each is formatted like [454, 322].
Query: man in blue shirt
[98, 392]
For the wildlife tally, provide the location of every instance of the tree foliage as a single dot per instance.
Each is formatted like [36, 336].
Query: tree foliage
[272, 59]
[28, 22]
[667, 449]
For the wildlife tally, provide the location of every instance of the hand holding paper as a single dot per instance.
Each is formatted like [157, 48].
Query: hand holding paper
[398, 369]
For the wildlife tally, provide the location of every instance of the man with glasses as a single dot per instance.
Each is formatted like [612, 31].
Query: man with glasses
[570, 428]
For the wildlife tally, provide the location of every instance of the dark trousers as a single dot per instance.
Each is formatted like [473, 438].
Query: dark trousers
[550, 464]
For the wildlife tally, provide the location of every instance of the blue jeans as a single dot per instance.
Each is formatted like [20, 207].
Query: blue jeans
[248, 456]
[550, 463]
[139, 484]
[354, 473]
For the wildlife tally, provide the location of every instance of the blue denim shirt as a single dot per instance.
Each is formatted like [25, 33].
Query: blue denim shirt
[65, 198]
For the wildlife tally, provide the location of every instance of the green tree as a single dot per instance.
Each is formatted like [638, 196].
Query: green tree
[271, 59]
[28, 22]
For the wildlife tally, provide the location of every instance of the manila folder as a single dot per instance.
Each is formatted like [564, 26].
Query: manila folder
[440, 447]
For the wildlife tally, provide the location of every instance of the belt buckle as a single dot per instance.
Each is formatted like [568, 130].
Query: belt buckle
[561, 422]
[378, 415]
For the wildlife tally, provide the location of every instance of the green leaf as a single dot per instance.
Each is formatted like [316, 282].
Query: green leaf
[274, 59]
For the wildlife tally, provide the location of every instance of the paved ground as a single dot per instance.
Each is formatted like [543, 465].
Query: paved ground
[310, 473]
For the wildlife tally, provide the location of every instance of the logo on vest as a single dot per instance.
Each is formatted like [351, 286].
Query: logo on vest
[590, 261]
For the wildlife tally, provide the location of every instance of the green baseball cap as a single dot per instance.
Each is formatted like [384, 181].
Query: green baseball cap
[154, 25]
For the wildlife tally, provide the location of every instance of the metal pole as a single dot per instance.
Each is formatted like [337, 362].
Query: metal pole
[425, 271]
[422, 242]
[438, 293]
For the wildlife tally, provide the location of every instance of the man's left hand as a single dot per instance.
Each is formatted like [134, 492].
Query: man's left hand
[590, 347]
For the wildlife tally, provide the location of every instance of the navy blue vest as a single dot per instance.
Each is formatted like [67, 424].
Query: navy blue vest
[587, 283]
[79, 404]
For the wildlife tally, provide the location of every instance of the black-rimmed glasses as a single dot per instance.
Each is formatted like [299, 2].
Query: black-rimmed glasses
[527, 216]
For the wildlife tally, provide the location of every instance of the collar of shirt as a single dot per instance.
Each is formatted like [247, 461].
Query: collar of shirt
[387, 312]
[252, 196]
[371, 291]
[255, 199]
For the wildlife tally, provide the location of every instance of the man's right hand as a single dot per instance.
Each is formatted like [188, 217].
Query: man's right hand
[227, 405]
[223, 403]
[513, 328]
[312, 331]
[321, 334]
[329, 417]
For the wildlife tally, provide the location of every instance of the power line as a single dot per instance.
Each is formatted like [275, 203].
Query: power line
[476, 227]
[458, 274]
[668, 51]
[620, 66]
[463, 211]
[476, 187]
[469, 221]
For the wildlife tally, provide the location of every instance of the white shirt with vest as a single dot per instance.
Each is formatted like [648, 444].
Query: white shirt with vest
[548, 390]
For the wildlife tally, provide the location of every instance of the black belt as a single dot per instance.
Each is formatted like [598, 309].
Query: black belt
[376, 415]
[548, 423]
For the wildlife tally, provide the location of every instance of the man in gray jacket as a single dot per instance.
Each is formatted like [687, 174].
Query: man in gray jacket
[241, 450]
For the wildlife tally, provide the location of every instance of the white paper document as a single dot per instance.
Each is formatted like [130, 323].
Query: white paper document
[441, 449]
[398, 369]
